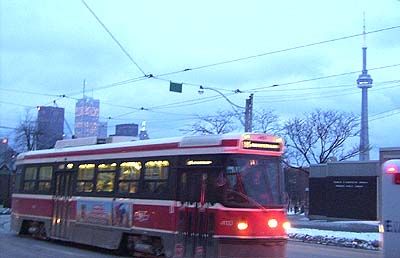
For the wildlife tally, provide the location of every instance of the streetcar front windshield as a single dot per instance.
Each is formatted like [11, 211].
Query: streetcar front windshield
[251, 182]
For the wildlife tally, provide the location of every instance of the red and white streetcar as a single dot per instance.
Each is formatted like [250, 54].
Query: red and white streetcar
[195, 196]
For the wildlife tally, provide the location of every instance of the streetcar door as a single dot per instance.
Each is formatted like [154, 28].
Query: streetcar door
[62, 204]
[194, 221]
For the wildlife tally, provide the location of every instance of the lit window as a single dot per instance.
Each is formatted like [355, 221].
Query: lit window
[156, 169]
[107, 167]
[85, 178]
[129, 177]
[155, 176]
[105, 182]
[130, 170]
[86, 172]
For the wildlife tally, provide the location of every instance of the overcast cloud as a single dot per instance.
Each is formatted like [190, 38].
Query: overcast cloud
[50, 47]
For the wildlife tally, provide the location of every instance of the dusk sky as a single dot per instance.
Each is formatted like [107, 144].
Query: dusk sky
[48, 48]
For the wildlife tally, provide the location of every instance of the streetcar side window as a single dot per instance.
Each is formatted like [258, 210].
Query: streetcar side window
[30, 179]
[128, 181]
[18, 180]
[156, 176]
[105, 177]
[44, 179]
[84, 182]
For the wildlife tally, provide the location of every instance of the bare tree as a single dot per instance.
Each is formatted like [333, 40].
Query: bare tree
[26, 134]
[222, 122]
[265, 121]
[319, 137]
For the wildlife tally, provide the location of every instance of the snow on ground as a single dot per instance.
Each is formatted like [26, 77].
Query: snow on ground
[4, 223]
[368, 222]
[337, 234]
[364, 240]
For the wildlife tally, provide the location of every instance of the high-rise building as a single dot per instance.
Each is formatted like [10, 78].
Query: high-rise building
[87, 117]
[127, 130]
[102, 130]
[364, 82]
[50, 126]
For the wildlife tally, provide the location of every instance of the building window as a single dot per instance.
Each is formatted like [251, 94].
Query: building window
[156, 176]
[44, 180]
[85, 178]
[105, 177]
[129, 177]
[30, 179]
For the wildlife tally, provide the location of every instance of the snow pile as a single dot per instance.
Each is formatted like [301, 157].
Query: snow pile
[5, 211]
[4, 223]
[368, 241]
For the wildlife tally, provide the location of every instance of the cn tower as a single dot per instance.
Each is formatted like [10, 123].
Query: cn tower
[364, 82]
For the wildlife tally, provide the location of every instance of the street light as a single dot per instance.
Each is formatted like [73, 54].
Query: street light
[248, 108]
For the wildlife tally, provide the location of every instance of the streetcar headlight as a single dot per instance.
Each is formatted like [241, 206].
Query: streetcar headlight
[286, 225]
[242, 225]
[272, 223]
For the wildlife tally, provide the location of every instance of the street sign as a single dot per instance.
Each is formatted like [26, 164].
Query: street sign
[175, 87]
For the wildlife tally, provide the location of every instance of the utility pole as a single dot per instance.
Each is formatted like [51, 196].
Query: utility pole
[248, 114]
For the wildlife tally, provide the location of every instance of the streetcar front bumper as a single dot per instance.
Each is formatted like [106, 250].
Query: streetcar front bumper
[251, 248]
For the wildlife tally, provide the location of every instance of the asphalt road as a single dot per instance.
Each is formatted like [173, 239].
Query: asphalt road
[303, 250]
[24, 247]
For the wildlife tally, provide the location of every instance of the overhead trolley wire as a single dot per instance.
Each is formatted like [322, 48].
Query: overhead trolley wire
[327, 87]
[28, 92]
[386, 85]
[278, 51]
[258, 89]
[111, 85]
[386, 116]
[157, 76]
[332, 95]
[112, 36]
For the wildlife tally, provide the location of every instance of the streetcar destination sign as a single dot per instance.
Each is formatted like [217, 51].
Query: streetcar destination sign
[260, 145]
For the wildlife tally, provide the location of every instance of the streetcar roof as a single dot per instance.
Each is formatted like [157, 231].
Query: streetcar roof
[155, 146]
